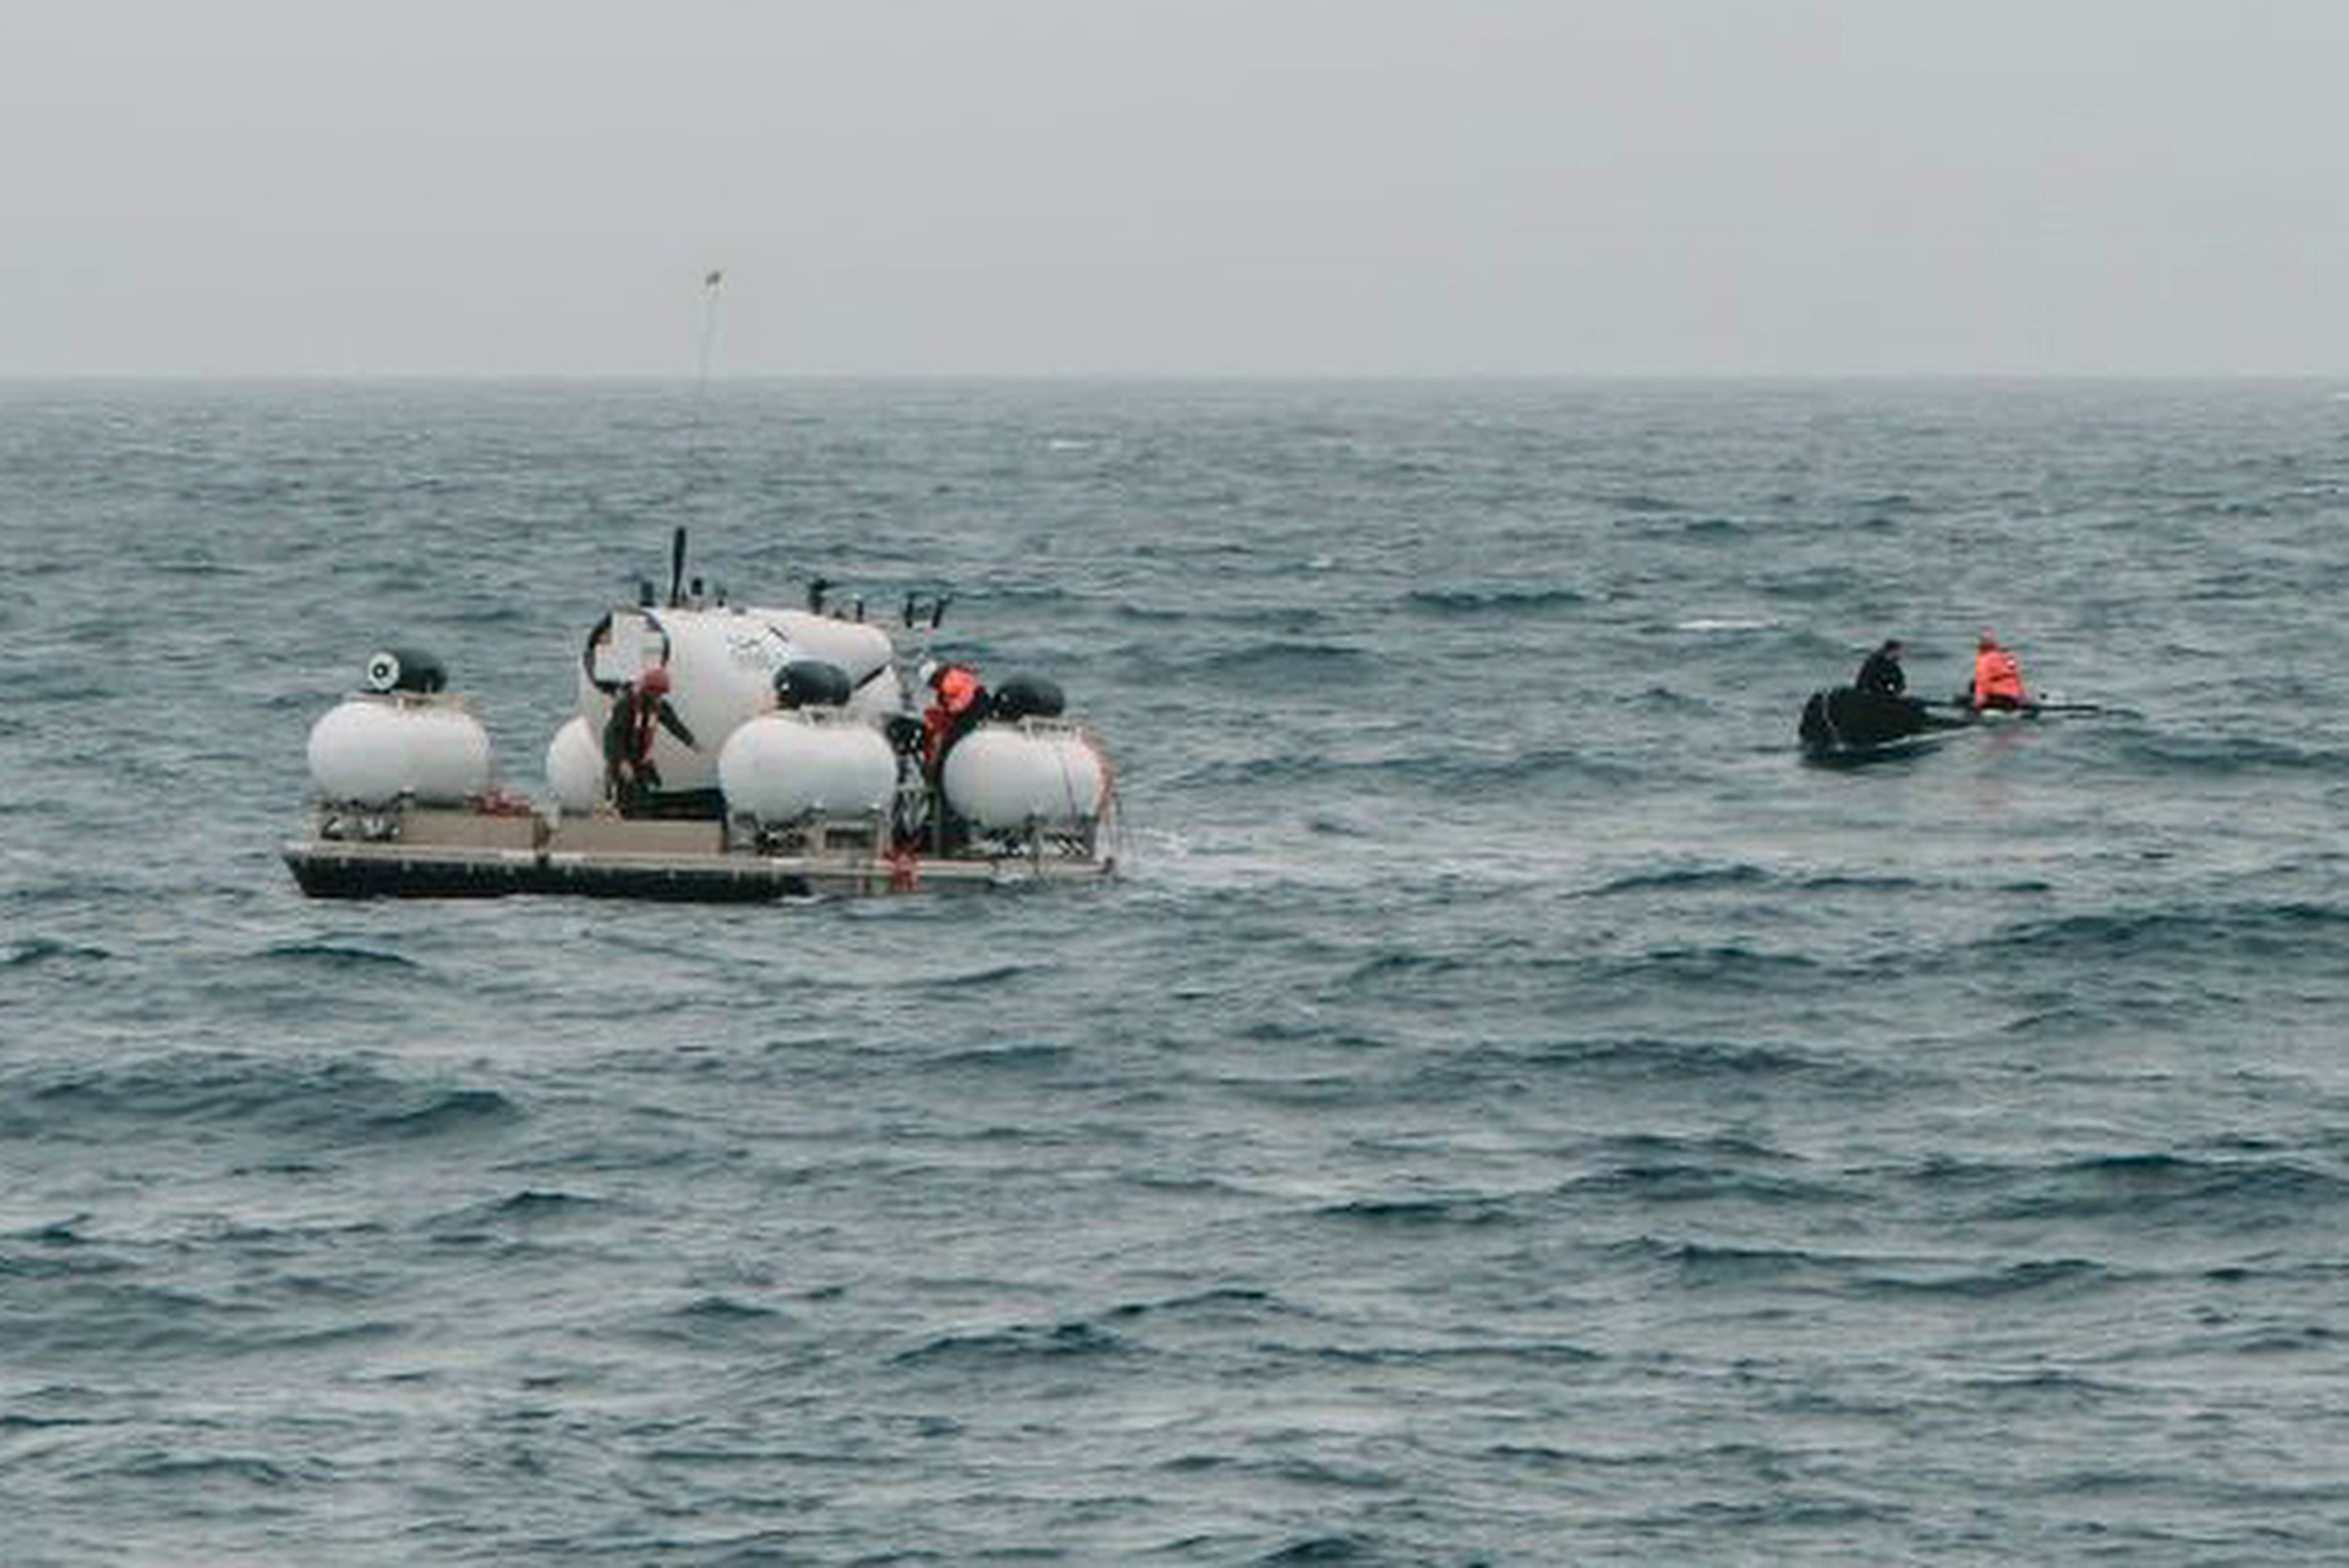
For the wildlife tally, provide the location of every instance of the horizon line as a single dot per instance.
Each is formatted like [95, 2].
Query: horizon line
[1167, 376]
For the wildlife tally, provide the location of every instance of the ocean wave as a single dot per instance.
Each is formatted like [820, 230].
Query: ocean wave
[432, 1112]
[1224, 1303]
[2029, 1277]
[2228, 755]
[1727, 623]
[1314, 1550]
[1449, 772]
[1469, 603]
[1011, 1348]
[66, 687]
[1817, 585]
[331, 1104]
[1716, 528]
[1413, 1212]
[1638, 503]
[275, 1340]
[1018, 1058]
[495, 613]
[186, 1469]
[1724, 1266]
[2074, 1018]
[1886, 882]
[339, 955]
[1726, 966]
[1675, 705]
[1504, 1355]
[48, 949]
[1151, 615]
[725, 1310]
[66, 1232]
[2152, 1188]
[2203, 933]
[1049, 592]
[73, 1318]
[50, 1259]
[1283, 661]
[20, 1421]
[1662, 1059]
[991, 977]
[1409, 964]
[2142, 1190]
[2043, 1387]
[1533, 765]
[533, 1203]
[1703, 1184]
[1711, 1146]
[2274, 1339]
[1685, 879]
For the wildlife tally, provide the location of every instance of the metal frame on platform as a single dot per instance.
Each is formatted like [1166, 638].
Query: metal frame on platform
[440, 853]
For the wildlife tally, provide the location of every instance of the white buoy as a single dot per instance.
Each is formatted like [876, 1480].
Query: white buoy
[1039, 772]
[780, 768]
[374, 749]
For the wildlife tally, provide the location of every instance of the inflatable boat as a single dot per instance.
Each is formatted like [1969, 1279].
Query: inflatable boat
[1848, 725]
[719, 751]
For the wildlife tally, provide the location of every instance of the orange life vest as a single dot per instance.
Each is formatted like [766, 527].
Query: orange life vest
[958, 693]
[1998, 679]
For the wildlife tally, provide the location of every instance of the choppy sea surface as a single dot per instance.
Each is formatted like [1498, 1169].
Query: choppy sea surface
[1512, 1111]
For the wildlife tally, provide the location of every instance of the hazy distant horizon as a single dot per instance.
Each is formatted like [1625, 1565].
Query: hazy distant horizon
[1059, 188]
[689, 383]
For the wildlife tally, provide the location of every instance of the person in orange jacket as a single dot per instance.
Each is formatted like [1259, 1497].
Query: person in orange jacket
[961, 704]
[1998, 679]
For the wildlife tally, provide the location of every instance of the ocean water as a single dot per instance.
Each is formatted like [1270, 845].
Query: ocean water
[1511, 1111]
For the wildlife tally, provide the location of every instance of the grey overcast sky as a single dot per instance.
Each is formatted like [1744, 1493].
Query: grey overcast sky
[1180, 186]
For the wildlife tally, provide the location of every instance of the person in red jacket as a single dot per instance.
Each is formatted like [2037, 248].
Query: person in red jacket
[961, 703]
[1998, 679]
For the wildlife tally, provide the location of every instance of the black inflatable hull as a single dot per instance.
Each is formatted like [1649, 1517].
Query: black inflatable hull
[1846, 725]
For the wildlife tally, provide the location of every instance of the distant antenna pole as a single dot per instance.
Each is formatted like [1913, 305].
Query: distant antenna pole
[710, 282]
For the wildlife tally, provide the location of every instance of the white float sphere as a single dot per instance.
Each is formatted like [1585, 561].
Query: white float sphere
[782, 766]
[574, 767]
[371, 751]
[356, 754]
[1005, 777]
[447, 754]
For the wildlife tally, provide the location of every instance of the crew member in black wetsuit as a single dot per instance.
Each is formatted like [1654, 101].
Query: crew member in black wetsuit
[1882, 673]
